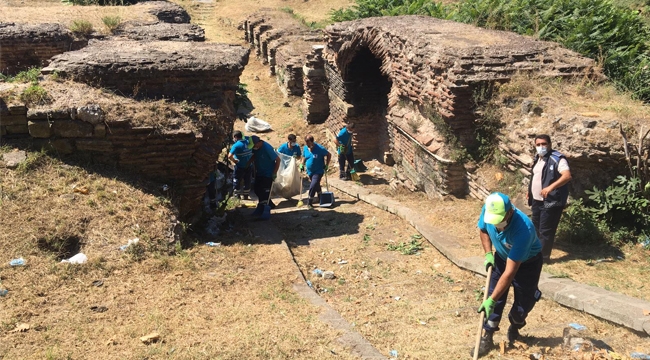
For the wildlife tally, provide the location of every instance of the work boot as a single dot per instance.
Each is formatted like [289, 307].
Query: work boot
[486, 344]
[513, 334]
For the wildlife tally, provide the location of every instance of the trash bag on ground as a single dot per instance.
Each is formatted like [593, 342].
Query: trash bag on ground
[256, 125]
[287, 184]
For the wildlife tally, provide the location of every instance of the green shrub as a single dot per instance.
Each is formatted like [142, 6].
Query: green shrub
[111, 22]
[579, 225]
[35, 95]
[622, 205]
[81, 27]
[28, 76]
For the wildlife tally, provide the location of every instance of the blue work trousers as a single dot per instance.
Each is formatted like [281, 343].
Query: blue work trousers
[343, 158]
[314, 187]
[546, 221]
[525, 288]
[242, 176]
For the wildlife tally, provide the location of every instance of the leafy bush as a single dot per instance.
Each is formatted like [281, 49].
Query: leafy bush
[111, 22]
[372, 8]
[81, 27]
[579, 225]
[243, 105]
[35, 95]
[622, 204]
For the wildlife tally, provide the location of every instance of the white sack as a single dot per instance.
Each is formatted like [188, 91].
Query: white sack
[287, 184]
[257, 125]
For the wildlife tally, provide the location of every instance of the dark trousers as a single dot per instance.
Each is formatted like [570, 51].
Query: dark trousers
[314, 187]
[526, 292]
[343, 158]
[546, 221]
[241, 177]
[262, 188]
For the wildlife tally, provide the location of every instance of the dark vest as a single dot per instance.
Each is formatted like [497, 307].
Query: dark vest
[550, 174]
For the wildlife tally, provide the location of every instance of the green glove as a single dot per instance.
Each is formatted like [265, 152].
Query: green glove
[488, 307]
[302, 168]
[275, 176]
[327, 167]
[489, 260]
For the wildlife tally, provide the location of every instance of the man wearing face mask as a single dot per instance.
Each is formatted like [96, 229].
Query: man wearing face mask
[548, 191]
[290, 148]
[518, 261]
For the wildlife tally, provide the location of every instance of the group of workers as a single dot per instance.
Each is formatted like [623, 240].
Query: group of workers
[251, 152]
[521, 244]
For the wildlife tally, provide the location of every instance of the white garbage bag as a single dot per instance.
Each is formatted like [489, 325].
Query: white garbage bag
[80, 258]
[287, 184]
[257, 125]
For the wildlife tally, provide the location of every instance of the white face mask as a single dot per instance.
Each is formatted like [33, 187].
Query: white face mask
[500, 226]
[541, 150]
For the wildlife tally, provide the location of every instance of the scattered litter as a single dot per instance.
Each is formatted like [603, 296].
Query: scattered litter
[397, 298]
[393, 353]
[619, 257]
[310, 284]
[99, 309]
[17, 262]
[422, 322]
[457, 289]
[332, 351]
[22, 327]
[418, 272]
[318, 272]
[81, 190]
[77, 259]
[98, 283]
[165, 187]
[457, 313]
[328, 275]
[578, 326]
[129, 243]
[343, 262]
[536, 356]
[150, 338]
[638, 355]
[502, 347]
[3, 292]
[213, 244]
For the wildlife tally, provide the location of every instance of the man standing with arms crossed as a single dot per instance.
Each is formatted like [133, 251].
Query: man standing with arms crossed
[518, 261]
[548, 192]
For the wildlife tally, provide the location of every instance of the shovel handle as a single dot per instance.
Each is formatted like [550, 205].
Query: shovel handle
[482, 317]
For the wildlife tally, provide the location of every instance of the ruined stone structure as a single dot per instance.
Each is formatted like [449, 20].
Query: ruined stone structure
[159, 31]
[203, 72]
[166, 11]
[180, 158]
[23, 46]
[294, 55]
[410, 81]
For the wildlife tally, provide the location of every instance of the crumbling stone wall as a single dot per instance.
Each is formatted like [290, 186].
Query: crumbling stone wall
[159, 31]
[205, 72]
[167, 11]
[23, 46]
[293, 53]
[434, 68]
[181, 158]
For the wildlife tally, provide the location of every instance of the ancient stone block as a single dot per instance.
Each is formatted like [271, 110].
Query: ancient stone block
[94, 145]
[61, 146]
[17, 129]
[17, 109]
[72, 129]
[92, 113]
[99, 131]
[40, 128]
[13, 120]
[48, 114]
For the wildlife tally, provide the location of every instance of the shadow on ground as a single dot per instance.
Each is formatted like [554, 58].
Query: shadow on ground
[601, 252]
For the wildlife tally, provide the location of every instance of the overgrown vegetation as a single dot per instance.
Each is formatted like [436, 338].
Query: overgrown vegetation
[111, 22]
[488, 124]
[457, 152]
[243, 105]
[614, 36]
[34, 94]
[408, 248]
[26, 76]
[81, 27]
[310, 24]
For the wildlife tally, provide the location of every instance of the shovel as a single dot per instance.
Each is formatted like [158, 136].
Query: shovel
[480, 323]
[300, 203]
[266, 212]
[327, 197]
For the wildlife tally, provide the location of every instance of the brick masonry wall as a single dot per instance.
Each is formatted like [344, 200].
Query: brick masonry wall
[181, 158]
[23, 46]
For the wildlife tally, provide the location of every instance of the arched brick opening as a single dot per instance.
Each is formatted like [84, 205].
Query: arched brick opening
[367, 90]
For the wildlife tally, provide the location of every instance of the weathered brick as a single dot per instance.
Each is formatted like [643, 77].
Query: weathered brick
[40, 129]
[13, 120]
[72, 129]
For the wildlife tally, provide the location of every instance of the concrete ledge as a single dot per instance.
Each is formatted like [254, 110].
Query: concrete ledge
[617, 308]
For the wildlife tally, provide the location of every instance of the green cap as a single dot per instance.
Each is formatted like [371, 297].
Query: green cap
[497, 206]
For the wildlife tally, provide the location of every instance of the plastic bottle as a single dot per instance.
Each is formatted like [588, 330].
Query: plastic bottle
[17, 262]
[213, 244]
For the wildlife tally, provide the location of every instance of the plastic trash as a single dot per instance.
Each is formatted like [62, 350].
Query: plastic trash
[254, 124]
[213, 244]
[287, 184]
[397, 298]
[578, 326]
[310, 284]
[129, 243]
[343, 262]
[638, 355]
[17, 262]
[3, 292]
[318, 272]
[393, 353]
[77, 259]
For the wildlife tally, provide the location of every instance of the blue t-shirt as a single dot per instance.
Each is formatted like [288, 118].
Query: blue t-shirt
[293, 151]
[315, 159]
[241, 152]
[518, 241]
[345, 138]
[265, 160]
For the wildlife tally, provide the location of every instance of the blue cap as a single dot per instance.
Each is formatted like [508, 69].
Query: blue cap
[255, 139]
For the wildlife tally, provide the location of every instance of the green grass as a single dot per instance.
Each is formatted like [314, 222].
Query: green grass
[81, 27]
[111, 22]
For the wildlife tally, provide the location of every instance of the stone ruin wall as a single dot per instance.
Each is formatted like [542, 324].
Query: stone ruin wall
[206, 73]
[434, 67]
[294, 56]
[23, 46]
